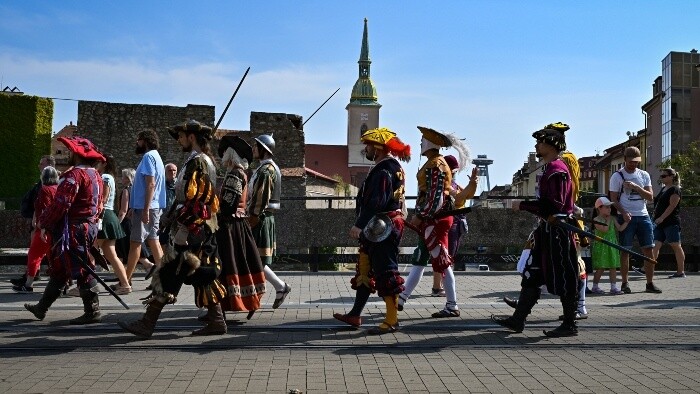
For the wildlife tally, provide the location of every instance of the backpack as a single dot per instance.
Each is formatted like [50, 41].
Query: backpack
[26, 208]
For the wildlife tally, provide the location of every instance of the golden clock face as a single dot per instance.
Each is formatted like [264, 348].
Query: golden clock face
[364, 116]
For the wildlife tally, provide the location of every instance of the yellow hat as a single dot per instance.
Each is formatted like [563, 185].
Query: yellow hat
[389, 141]
[378, 136]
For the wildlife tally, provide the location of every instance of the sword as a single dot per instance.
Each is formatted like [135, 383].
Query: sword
[102, 282]
[557, 221]
[440, 215]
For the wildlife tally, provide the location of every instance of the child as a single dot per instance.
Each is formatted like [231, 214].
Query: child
[604, 256]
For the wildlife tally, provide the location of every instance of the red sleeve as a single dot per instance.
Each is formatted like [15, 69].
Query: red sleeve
[65, 194]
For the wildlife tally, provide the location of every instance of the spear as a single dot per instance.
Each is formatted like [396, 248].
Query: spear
[324, 103]
[231, 100]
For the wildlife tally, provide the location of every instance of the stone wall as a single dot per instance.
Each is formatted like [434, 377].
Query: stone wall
[288, 134]
[498, 230]
[113, 127]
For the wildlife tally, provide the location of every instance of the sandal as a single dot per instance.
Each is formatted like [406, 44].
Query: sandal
[446, 313]
[281, 295]
[383, 328]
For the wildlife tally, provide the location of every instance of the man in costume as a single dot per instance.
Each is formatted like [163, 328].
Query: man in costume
[572, 165]
[192, 258]
[72, 222]
[553, 260]
[263, 197]
[434, 188]
[241, 267]
[380, 208]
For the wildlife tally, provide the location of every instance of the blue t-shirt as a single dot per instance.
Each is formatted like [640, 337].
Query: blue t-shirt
[151, 165]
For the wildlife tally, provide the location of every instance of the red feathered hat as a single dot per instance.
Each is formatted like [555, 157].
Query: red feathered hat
[82, 147]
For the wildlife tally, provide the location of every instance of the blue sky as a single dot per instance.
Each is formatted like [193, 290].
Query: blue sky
[490, 71]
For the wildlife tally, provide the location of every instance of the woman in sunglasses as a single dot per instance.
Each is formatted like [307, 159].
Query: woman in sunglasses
[667, 218]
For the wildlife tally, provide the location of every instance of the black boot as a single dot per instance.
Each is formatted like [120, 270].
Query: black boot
[568, 327]
[528, 298]
[511, 302]
[91, 306]
[144, 327]
[51, 293]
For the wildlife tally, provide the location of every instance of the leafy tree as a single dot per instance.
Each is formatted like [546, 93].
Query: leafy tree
[687, 164]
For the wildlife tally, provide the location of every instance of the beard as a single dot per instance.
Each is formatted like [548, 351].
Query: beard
[187, 148]
[140, 149]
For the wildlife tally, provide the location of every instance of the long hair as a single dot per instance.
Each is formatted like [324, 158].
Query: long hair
[674, 174]
[110, 165]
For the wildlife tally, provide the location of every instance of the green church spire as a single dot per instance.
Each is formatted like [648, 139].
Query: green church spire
[364, 91]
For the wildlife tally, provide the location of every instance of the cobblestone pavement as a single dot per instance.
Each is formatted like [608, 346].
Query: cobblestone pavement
[630, 343]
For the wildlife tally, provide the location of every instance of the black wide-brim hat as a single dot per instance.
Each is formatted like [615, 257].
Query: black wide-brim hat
[191, 127]
[238, 144]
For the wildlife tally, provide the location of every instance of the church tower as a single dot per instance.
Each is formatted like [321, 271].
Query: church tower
[363, 114]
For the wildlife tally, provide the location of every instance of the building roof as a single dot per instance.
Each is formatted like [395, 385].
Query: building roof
[328, 159]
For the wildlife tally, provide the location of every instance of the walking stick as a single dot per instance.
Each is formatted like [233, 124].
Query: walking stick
[231, 100]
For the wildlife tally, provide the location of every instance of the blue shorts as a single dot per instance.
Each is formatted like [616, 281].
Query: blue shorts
[669, 234]
[642, 228]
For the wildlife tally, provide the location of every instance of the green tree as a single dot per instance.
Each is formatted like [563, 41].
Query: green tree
[687, 164]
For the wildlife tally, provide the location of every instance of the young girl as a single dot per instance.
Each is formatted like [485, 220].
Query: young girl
[604, 256]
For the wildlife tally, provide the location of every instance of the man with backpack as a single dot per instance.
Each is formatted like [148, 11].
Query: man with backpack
[630, 189]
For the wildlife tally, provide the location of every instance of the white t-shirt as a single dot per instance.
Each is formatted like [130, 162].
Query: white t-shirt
[631, 200]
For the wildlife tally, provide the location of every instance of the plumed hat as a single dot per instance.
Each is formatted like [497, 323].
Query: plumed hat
[82, 147]
[387, 139]
[448, 140]
[191, 127]
[553, 134]
[244, 150]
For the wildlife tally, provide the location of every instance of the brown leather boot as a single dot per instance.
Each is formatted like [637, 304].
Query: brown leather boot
[91, 306]
[216, 325]
[144, 327]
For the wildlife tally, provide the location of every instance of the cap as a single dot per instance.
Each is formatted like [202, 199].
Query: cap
[452, 162]
[602, 201]
[632, 154]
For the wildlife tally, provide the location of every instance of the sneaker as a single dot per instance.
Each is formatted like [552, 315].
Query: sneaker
[74, 292]
[23, 289]
[597, 290]
[119, 290]
[588, 291]
[19, 281]
[651, 288]
[615, 291]
[677, 275]
[626, 288]
[638, 270]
